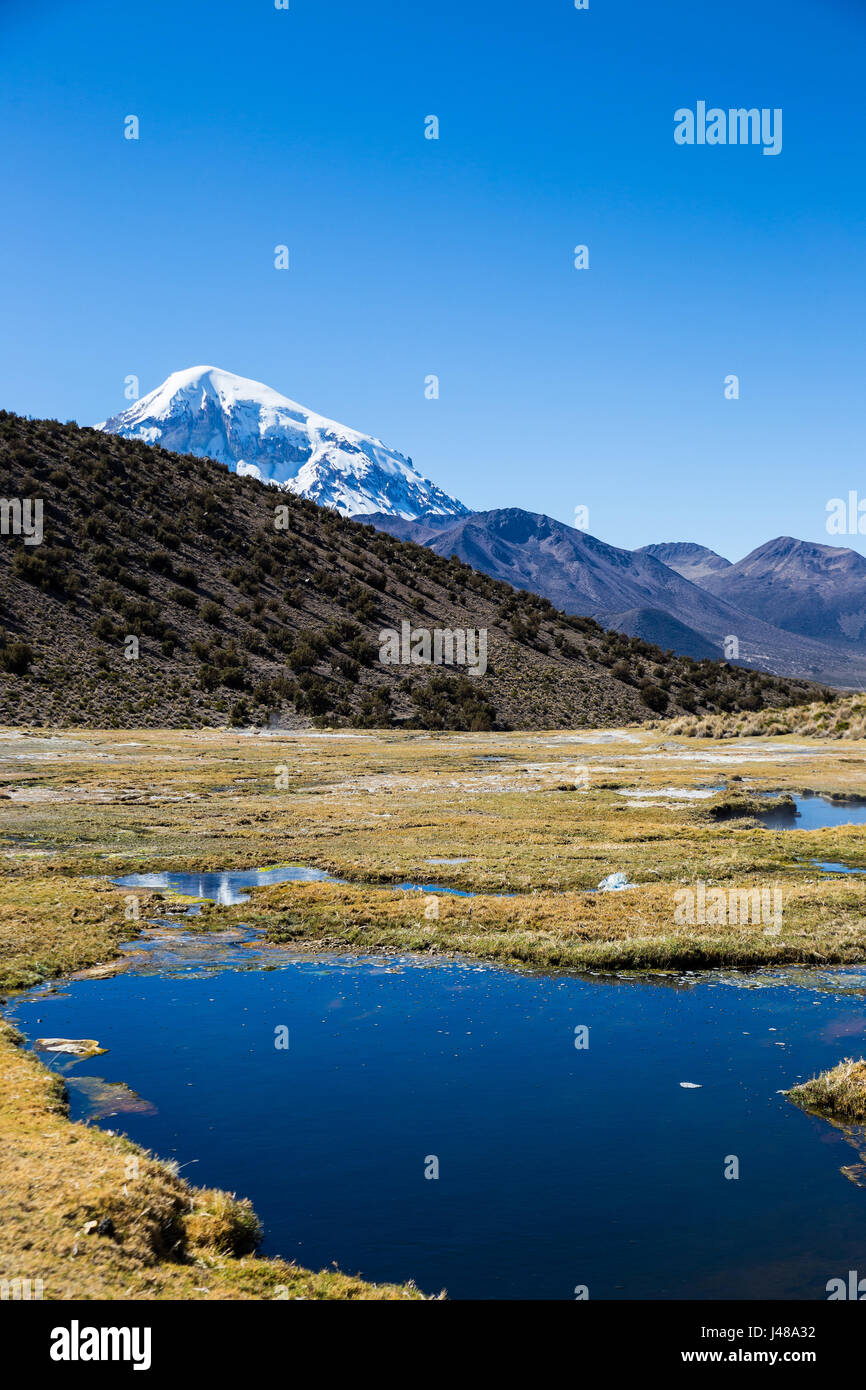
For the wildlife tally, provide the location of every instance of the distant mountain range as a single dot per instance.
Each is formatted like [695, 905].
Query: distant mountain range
[791, 606]
[818, 590]
[640, 593]
[694, 562]
[255, 431]
[801, 586]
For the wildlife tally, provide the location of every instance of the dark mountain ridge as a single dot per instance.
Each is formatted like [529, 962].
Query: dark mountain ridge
[690, 560]
[583, 575]
[801, 586]
[163, 593]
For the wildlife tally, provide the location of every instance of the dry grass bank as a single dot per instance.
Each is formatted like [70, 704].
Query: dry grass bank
[844, 718]
[166, 1240]
[838, 1094]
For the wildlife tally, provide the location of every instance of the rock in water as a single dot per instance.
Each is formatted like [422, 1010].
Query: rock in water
[78, 1047]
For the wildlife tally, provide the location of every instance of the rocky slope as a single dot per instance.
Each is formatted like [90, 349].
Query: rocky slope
[801, 586]
[692, 561]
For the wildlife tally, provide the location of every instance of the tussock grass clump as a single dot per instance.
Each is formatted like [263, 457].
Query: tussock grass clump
[224, 1223]
[843, 717]
[839, 1094]
[736, 805]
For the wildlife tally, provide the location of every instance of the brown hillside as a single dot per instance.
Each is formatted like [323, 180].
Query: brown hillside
[239, 622]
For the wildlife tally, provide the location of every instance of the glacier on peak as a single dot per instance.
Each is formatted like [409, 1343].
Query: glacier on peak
[258, 432]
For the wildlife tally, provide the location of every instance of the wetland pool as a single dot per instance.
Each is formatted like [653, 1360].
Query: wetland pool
[559, 1166]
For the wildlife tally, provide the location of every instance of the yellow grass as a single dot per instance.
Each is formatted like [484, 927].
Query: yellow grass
[839, 1094]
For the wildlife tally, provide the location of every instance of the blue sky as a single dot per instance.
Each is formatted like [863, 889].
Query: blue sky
[559, 387]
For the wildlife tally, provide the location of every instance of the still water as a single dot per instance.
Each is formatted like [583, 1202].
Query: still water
[227, 887]
[558, 1166]
[812, 812]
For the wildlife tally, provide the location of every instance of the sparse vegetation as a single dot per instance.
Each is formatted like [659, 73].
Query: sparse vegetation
[837, 716]
[838, 1094]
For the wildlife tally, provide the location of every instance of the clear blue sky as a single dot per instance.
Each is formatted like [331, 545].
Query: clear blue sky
[409, 256]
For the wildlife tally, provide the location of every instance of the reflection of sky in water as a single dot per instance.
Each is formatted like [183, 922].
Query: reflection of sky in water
[815, 812]
[226, 887]
[833, 866]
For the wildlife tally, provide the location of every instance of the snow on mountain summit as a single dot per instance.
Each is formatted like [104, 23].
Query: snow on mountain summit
[254, 430]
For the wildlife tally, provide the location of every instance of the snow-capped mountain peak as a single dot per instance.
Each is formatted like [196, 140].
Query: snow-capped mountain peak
[254, 430]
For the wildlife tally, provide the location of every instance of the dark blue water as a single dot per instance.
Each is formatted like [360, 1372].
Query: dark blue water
[815, 812]
[558, 1167]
